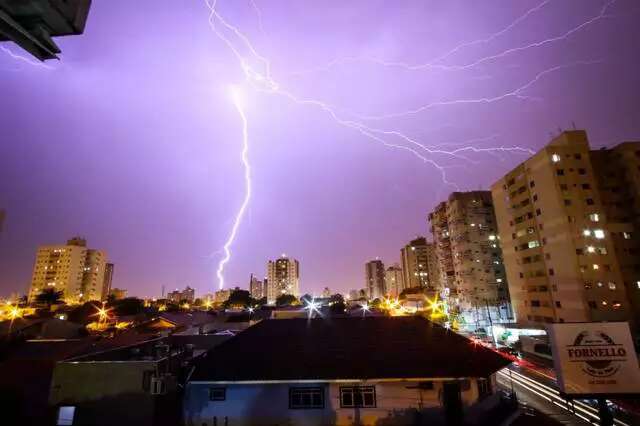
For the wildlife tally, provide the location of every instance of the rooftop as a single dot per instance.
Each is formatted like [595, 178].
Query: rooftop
[346, 348]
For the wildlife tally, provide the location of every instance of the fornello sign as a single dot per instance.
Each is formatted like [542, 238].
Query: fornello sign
[595, 358]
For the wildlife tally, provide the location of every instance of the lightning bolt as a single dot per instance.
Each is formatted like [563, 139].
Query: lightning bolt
[237, 101]
[434, 65]
[484, 100]
[25, 59]
[257, 74]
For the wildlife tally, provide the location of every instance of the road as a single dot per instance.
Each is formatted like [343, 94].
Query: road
[537, 390]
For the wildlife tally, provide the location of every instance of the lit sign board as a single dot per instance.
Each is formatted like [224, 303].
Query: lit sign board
[595, 358]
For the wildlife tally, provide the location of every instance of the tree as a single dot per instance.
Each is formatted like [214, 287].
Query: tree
[336, 302]
[286, 300]
[238, 299]
[128, 306]
[306, 298]
[84, 313]
[375, 303]
[261, 302]
[49, 296]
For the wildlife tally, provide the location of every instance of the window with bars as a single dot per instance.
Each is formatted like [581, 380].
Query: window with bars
[358, 396]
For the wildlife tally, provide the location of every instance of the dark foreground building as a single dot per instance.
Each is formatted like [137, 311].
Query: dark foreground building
[344, 371]
[32, 24]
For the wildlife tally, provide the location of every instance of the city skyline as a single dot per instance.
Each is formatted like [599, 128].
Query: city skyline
[146, 164]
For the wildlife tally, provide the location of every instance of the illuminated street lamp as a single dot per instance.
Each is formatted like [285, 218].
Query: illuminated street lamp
[102, 314]
[312, 306]
[365, 308]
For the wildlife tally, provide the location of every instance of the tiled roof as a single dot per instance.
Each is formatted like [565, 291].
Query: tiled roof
[346, 348]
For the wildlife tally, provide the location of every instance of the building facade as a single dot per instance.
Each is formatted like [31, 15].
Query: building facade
[74, 269]
[617, 173]
[393, 280]
[108, 278]
[559, 245]
[387, 386]
[415, 264]
[257, 287]
[187, 295]
[283, 277]
[470, 258]
[118, 293]
[374, 279]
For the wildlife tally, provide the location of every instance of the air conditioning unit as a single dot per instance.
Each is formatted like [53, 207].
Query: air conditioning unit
[158, 386]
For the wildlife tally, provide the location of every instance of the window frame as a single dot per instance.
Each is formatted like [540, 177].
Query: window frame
[218, 389]
[355, 390]
[308, 389]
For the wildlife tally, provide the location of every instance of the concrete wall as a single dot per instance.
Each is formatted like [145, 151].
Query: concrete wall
[104, 393]
[397, 403]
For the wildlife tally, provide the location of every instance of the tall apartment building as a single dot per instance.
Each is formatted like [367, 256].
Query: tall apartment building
[417, 259]
[74, 269]
[283, 277]
[374, 279]
[469, 255]
[618, 182]
[393, 280]
[108, 279]
[187, 295]
[558, 241]
[257, 287]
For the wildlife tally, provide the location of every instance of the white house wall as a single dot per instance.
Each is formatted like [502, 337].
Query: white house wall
[268, 404]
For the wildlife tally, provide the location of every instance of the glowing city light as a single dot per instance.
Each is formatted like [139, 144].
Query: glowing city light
[102, 313]
[312, 307]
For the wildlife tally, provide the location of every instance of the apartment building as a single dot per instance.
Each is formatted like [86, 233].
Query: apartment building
[393, 280]
[283, 277]
[558, 242]
[418, 266]
[74, 269]
[374, 279]
[618, 182]
[469, 254]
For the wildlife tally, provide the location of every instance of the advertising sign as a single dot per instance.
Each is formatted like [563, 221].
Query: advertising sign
[595, 358]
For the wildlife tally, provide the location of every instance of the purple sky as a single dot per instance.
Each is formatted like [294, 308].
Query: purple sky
[132, 141]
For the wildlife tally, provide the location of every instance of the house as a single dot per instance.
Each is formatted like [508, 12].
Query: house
[134, 384]
[343, 371]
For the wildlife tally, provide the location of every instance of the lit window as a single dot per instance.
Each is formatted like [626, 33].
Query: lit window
[499, 280]
[598, 233]
[638, 284]
[586, 232]
[534, 243]
[612, 286]
[591, 249]
[555, 158]
[626, 235]
[596, 266]
[65, 415]
[594, 217]
[604, 303]
[492, 237]
[617, 305]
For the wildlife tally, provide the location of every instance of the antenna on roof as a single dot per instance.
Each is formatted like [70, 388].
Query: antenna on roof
[573, 123]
